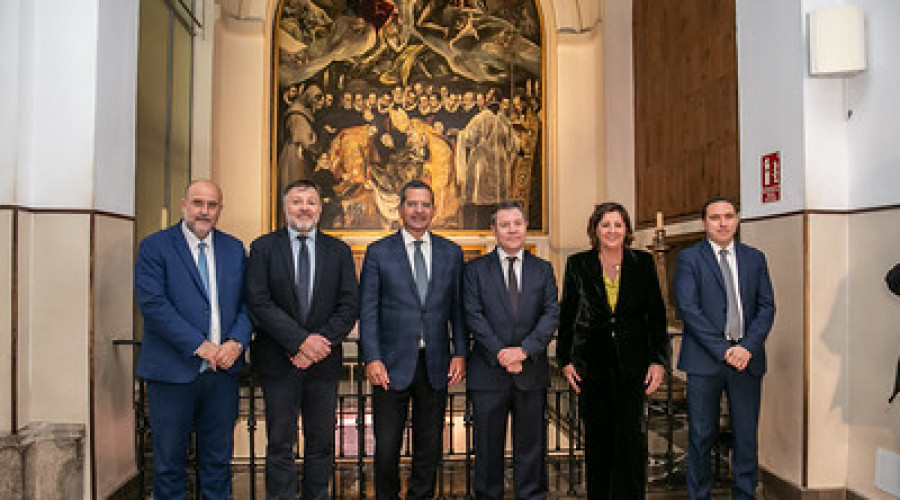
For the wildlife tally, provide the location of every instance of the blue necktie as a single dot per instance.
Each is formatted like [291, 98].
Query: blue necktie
[420, 270]
[203, 269]
[202, 266]
[303, 277]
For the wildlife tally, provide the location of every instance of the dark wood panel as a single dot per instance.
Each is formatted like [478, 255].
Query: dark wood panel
[686, 122]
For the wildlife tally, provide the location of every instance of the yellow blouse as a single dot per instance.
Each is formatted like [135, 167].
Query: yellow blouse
[612, 293]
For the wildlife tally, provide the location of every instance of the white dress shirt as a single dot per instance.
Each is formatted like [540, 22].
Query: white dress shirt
[310, 252]
[215, 328]
[517, 266]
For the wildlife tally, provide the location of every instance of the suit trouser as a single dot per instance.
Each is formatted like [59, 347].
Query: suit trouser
[210, 405]
[491, 410]
[612, 410]
[313, 398]
[704, 394]
[390, 409]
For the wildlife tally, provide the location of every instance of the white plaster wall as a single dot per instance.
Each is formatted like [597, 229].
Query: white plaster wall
[113, 376]
[781, 418]
[117, 48]
[828, 357]
[57, 99]
[580, 158]
[874, 346]
[9, 99]
[53, 318]
[204, 49]
[770, 53]
[825, 130]
[240, 132]
[618, 103]
[6, 221]
[874, 97]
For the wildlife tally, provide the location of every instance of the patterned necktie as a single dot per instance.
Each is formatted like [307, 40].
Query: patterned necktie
[303, 277]
[512, 284]
[733, 318]
[202, 266]
[421, 272]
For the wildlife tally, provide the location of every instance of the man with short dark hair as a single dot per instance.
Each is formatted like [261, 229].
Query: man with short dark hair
[188, 284]
[302, 295]
[512, 310]
[410, 313]
[726, 300]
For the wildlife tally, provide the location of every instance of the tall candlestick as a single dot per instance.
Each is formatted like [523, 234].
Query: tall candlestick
[659, 220]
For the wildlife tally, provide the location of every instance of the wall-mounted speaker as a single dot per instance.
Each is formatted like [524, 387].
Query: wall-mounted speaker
[837, 40]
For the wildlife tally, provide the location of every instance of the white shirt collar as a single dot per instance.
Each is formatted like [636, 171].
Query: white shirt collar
[292, 234]
[408, 238]
[503, 255]
[192, 238]
[716, 248]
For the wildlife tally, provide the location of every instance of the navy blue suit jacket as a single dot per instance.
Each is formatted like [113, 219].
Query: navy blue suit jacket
[175, 307]
[700, 294]
[493, 326]
[392, 316]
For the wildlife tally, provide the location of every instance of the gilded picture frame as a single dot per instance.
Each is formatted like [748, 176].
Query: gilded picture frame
[369, 94]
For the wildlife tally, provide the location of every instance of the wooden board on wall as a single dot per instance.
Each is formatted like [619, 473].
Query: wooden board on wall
[686, 122]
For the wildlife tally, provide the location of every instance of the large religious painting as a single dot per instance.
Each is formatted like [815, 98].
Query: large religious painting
[374, 93]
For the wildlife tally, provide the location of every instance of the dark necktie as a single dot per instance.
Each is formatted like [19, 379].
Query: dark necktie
[513, 284]
[733, 318]
[202, 266]
[303, 277]
[421, 271]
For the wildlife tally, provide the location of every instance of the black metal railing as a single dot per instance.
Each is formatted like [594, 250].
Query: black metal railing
[354, 473]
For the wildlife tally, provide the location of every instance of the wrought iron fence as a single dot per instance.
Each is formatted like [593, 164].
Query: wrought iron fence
[353, 475]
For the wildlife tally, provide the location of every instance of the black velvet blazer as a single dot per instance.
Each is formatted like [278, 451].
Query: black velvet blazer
[591, 334]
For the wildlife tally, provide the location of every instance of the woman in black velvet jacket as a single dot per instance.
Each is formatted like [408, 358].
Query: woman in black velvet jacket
[613, 347]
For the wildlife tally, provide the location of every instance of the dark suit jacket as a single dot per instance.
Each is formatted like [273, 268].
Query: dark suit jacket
[275, 310]
[700, 294]
[493, 326]
[392, 315]
[175, 307]
[587, 323]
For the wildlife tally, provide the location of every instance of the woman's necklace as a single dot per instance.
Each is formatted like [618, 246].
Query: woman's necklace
[611, 268]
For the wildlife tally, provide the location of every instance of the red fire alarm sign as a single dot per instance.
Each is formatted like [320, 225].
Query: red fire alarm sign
[771, 177]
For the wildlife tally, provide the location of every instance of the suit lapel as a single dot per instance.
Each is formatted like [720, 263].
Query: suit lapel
[400, 251]
[184, 252]
[706, 252]
[496, 276]
[626, 278]
[321, 250]
[285, 255]
[595, 274]
[740, 259]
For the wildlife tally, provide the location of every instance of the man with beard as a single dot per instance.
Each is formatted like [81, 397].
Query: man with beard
[302, 296]
[410, 307]
[187, 282]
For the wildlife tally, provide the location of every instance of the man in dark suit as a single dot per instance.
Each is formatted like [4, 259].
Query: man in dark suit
[512, 310]
[726, 301]
[302, 296]
[188, 283]
[410, 303]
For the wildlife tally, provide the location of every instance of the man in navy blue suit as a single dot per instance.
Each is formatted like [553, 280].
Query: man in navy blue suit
[302, 297]
[726, 300]
[188, 284]
[512, 310]
[410, 307]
